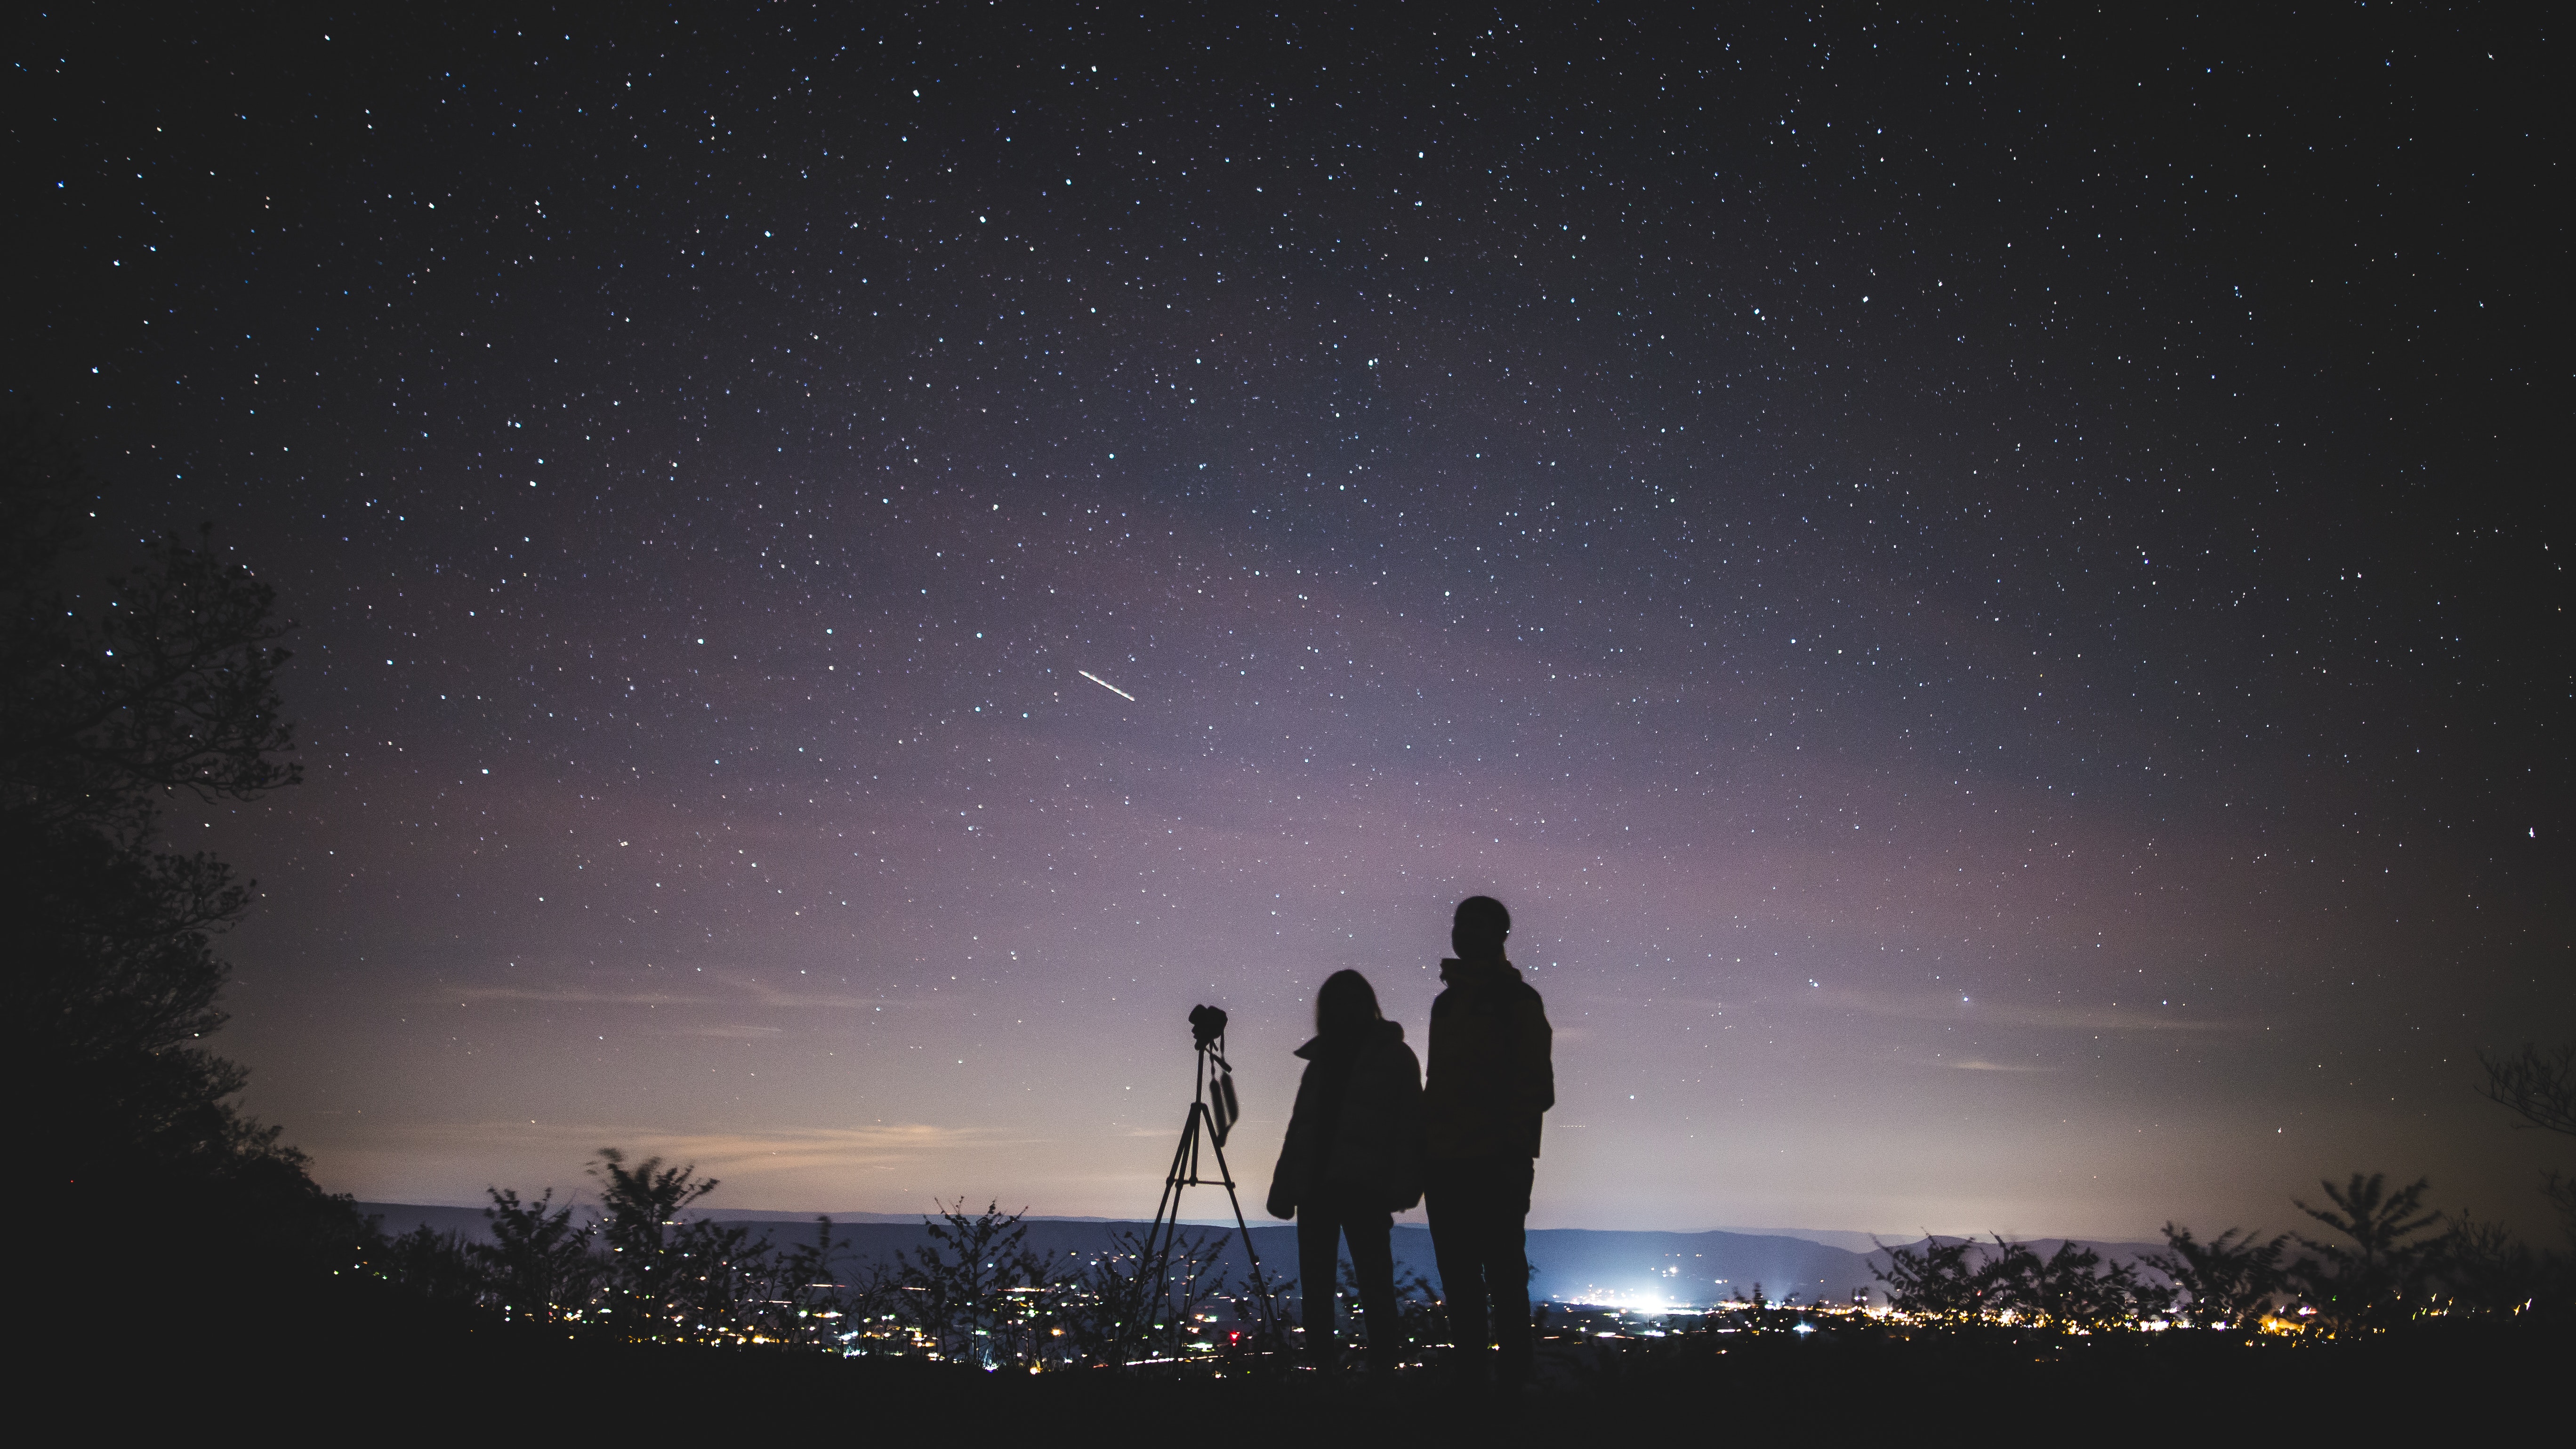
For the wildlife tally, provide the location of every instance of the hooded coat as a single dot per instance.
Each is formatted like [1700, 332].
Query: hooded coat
[1491, 1077]
[1357, 1125]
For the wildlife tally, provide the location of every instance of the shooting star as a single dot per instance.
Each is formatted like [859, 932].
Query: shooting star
[1105, 684]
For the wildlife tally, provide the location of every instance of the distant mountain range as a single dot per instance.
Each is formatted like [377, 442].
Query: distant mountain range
[1574, 1265]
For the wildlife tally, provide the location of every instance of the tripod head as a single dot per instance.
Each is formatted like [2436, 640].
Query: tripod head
[1216, 1075]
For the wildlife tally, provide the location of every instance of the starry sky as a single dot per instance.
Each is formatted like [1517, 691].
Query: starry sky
[1987, 587]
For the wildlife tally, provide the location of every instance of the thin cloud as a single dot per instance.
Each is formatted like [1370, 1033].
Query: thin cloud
[764, 995]
[569, 995]
[721, 1154]
[738, 992]
[1957, 1011]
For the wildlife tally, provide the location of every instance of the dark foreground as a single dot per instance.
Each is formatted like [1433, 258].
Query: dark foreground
[419, 1376]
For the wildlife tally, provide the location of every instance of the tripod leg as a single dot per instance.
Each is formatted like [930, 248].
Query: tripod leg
[1169, 1204]
[1154, 1262]
[1260, 1285]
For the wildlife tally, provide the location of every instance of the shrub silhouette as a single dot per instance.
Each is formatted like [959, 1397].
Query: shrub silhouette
[2226, 1282]
[2370, 1279]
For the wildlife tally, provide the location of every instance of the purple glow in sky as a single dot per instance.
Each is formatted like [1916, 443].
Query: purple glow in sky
[1977, 592]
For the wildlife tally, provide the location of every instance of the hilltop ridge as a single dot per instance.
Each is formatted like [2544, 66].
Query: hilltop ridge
[1632, 1268]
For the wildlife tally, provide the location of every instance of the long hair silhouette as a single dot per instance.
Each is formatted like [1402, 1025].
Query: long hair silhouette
[1346, 1003]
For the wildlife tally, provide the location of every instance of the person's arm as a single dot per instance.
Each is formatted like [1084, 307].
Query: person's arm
[1406, 1150]
[1533, 1050]
[1290, 1172]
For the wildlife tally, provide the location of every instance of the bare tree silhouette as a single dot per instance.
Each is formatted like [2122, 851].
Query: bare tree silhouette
[2539, 1086]
[123, 692]
[971, 1290]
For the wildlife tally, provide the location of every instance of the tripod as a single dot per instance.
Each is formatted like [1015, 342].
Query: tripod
[1212, 1114]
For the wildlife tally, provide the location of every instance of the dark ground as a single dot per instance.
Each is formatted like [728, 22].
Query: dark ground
[351, 1369]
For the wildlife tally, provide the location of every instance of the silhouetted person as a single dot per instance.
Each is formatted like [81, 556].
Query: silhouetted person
[1490, 1083]
[1352, 1160]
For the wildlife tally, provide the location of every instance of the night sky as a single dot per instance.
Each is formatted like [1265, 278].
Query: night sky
[1990, 592]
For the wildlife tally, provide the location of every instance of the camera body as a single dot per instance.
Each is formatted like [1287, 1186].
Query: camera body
[1207, 1023]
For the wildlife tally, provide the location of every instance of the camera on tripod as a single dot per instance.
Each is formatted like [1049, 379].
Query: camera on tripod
[1214, 1110]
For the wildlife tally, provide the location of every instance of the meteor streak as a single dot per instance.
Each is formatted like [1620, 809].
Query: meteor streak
[1105, 684]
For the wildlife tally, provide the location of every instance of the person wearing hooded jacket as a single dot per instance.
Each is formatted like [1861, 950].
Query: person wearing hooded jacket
[1351, 1161]
[1491, 1082]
